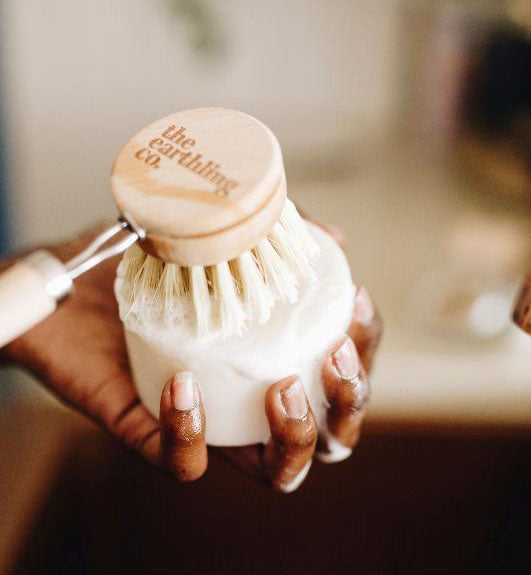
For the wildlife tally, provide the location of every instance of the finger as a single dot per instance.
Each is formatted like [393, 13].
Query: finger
[522, 308]
[366, 327]
[347, 390]
[115, 405]
[183, 449]
[288, 454]
[335, 231]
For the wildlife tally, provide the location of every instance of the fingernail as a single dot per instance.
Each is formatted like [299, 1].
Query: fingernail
[334, 451]
[295, 483]
[346, 360]
[182, 391]
[294, 400]
[363, 307]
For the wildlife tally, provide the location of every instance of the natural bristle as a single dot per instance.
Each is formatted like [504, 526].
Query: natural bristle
[200, 298]
[227, 296]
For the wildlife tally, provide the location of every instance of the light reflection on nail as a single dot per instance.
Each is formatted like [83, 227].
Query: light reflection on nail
[294, 400]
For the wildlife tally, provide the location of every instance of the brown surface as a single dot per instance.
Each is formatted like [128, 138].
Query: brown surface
[413, 499]
[33, 448]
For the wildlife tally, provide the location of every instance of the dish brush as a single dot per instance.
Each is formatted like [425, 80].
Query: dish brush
[205, 225]
[222, 241]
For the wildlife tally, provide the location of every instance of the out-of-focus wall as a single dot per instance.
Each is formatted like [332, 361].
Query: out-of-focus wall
[4, 234]
[366, 98]
[81, 77]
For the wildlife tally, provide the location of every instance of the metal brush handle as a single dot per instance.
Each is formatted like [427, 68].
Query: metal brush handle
[31, 289]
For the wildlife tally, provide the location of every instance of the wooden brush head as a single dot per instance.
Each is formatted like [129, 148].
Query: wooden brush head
[205, 184]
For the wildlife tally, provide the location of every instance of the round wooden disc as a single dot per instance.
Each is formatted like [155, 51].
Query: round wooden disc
[205, 184]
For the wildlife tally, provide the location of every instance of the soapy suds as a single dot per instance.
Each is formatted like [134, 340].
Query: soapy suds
[234, 373]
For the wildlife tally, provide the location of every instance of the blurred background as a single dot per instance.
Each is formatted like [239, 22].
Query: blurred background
[407, 123]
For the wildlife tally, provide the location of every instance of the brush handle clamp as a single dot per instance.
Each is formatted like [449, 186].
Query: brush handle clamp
[31, 289]
[98, 250]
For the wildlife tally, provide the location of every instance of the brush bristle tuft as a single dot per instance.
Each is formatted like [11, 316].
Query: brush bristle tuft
[224, 297]
[229, 313]
[256, 295]
[200, 298]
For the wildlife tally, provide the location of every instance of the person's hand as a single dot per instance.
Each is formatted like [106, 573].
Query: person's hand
[295, 439]
[79, 354]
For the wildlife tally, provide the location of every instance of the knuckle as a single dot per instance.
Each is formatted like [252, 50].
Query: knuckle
[185, 466]
[353, 396]
[182, 475]
[287, 447]
[361, 394]
[304, 440]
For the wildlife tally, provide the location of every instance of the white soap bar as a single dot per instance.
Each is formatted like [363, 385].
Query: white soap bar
[234, 374]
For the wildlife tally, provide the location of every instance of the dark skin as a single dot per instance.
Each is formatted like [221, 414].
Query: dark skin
[522, 306]
[79, 354]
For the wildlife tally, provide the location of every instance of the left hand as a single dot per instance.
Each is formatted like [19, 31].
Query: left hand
[79, 354]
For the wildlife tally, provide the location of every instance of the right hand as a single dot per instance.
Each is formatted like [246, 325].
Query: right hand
[285, 460]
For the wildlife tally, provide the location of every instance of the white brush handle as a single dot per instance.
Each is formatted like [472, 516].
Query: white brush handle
[29, 292]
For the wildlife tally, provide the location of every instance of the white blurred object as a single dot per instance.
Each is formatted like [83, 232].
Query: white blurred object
[468, 295]
[488, 315]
